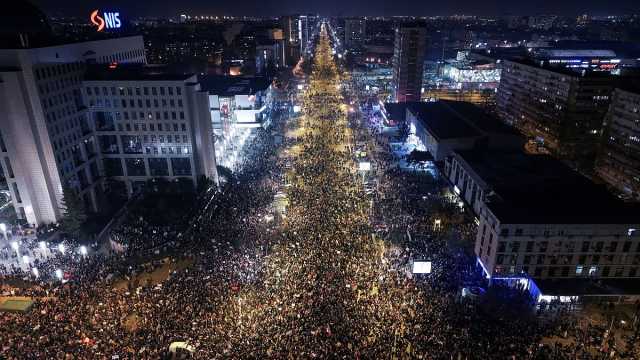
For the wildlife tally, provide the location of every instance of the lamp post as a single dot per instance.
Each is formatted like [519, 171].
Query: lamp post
[3, 228]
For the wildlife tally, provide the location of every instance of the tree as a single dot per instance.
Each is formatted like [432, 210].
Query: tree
[74, 212]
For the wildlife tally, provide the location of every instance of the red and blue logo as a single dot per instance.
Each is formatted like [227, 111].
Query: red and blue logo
[109, 20]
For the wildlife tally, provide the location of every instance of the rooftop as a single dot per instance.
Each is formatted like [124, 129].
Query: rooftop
[447, 119]
[479, 118]
[578, 72]
[233, 85]
[397, 111]
[538, 189]
[134, 72]
[556, 53]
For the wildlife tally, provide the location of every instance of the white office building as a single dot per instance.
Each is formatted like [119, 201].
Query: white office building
[43, 121]
[545, 224]
[148, 124]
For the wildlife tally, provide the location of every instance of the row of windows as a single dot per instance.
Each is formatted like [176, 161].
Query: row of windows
[565, 259]
[572, 271]
[106, 126]
[57, 70]
[146, 90]
[57, 85]
[123, 56]
[132, 103]
[570, 246]
[520, 232]
[165, 115]
[139, 166]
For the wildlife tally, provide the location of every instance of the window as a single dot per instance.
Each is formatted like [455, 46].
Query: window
[518, 232]
[627, 246]
[585, 246]
[529, 246]
[579, 270]
[504, 232]
[599, 246]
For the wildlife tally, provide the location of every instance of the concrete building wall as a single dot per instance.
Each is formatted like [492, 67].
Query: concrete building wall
[618, 161]
[47, 119]
[559, 250]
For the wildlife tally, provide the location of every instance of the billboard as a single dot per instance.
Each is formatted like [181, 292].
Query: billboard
[421, 267]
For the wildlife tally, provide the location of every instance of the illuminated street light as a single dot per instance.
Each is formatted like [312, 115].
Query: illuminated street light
[83, 250]
[3, 227]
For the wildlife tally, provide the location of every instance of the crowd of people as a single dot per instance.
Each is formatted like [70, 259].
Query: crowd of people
[315, 281]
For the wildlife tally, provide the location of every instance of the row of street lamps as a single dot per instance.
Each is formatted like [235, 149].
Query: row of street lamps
[43, 247]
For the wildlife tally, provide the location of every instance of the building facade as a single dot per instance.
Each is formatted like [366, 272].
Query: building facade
[560, 109]
[355, 32]
[535, 221]
[43, 121]
[408, 62]
[291, 28]
[618, 161]
[148, 125]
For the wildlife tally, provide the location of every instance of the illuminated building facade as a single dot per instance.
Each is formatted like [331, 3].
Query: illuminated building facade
[237, 106]
[408, 62]
[560, 109]
[146, 124]
[291, 29]
[618, 161]
[355, 32]
[539, 219]
[44, 122]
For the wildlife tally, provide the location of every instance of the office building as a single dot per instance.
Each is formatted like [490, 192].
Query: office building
[43, 120]
[442, 127]
[354, 34]
[307, 26]
[269, 56]
[561, 110]
[146, 124]
[408, 62]
[618, 161]
[236, 105]
[541, 222]
[291, 28]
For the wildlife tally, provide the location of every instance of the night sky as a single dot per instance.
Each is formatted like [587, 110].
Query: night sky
[341, 7]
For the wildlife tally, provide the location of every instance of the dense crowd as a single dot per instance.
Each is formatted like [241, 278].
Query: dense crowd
[316, 281]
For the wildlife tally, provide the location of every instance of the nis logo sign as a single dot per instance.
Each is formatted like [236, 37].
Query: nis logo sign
[109, 20]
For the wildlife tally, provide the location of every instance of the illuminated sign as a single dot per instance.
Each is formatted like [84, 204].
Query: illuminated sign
[421, 267]
[109, 20]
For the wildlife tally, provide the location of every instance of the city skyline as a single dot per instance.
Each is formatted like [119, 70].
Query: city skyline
[340, 8]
